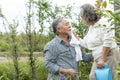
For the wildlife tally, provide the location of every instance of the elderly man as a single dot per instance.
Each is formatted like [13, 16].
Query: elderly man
[60, 56]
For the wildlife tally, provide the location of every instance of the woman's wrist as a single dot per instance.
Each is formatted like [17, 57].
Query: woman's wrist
[102, 58]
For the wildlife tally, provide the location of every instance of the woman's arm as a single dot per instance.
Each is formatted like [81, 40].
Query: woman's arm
[81, 41]
[104, 53]
[107, 44]
[76, 36]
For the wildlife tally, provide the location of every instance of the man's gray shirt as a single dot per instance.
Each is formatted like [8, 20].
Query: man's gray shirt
[59, 55]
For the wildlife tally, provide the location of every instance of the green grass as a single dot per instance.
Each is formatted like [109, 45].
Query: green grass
[7, 70]
[23, 54]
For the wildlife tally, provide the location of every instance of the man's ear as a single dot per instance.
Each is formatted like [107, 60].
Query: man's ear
[58, 30]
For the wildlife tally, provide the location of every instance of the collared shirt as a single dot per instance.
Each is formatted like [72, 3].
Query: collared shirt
[97, 37]
[59, 55]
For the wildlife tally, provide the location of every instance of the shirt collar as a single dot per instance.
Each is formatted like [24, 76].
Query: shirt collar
[97, 24]
[100, 23]
[60, 40]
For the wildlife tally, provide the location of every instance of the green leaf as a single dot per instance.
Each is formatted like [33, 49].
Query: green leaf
[114, 15]
[104, 4]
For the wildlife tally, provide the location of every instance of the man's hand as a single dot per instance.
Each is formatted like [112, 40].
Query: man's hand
[72, 72]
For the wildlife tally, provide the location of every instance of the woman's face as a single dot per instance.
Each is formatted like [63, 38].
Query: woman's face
[83, 20]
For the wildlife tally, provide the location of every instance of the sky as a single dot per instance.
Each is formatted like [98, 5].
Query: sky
[15, 9]
[12, 9]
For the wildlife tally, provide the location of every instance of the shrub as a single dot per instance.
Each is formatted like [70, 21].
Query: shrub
[7, 71]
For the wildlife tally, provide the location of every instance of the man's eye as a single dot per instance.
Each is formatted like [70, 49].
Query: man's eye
[66, 24]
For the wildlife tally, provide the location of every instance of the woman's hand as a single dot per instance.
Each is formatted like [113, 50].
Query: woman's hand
[76, 36]
[100, 63]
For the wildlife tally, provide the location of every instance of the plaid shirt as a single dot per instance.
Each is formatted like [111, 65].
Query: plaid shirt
[59, 55]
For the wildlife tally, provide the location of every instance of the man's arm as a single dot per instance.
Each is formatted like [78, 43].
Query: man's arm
[50, 59]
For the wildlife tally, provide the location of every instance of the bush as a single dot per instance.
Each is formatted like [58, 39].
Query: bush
[41, 73]
[7, 71]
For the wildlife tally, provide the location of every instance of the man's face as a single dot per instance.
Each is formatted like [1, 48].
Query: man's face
[65, 27]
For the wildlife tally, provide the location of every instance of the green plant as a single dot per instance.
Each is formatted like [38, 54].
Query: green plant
[113, 16]
[7, 70]
[41, 72]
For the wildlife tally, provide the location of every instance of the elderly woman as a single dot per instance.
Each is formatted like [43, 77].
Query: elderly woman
[99, 39]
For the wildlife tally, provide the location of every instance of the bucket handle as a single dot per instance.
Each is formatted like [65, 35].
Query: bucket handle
[105, 66]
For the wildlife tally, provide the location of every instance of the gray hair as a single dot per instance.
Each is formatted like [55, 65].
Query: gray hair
[89, 14]
[56, 24]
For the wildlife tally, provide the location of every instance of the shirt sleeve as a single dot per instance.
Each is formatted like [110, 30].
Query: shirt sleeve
[108, 37]
[83, 43]
[51, 59]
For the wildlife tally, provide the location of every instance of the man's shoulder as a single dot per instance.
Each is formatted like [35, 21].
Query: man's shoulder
[51, 43]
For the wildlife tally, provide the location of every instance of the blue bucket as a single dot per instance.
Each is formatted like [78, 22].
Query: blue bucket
[103, 73]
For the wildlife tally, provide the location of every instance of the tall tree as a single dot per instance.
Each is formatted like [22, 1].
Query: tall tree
[14, 48]
[29, 29]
